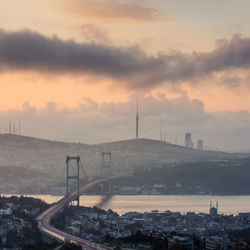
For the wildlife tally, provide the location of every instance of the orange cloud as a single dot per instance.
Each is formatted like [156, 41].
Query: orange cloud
[110, 10]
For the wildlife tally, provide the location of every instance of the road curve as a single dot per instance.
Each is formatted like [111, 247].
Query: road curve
[45, 218]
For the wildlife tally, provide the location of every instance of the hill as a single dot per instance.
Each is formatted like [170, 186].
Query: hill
[48, 157]
[191, 178]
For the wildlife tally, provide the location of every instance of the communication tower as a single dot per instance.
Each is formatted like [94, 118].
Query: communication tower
[137, 119]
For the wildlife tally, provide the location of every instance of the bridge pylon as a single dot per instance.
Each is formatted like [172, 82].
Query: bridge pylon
[73, 173]
[106, 168]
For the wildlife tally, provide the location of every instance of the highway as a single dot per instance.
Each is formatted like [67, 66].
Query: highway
[46, 228]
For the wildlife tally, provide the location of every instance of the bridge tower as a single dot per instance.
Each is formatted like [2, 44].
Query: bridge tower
[106, 168]
[73, 173]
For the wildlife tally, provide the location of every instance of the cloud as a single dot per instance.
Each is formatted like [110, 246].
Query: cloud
[94, 33]
[27, 50]
[92, 122]
[132, 67]
[111, 10]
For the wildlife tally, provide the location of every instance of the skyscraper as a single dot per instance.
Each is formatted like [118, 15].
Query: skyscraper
[200, 144]
[137, 119]
[188, 140]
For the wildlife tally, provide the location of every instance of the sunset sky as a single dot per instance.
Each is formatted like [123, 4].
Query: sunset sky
[71, 69]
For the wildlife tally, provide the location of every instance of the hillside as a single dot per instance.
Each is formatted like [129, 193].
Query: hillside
[191, 178]
[48, 157]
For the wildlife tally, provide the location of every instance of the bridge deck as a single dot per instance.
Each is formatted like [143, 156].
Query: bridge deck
[45, 218]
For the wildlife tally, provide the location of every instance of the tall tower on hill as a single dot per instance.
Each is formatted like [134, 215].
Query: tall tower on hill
[137, 119]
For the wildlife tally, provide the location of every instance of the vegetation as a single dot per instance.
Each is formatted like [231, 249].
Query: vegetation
[138, 239]
[229, 177]
[21, 180]
[70, 246]
[24, 202]
[240, 235]
[24, 213]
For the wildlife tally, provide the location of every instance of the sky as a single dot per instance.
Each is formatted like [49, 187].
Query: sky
[71, 70]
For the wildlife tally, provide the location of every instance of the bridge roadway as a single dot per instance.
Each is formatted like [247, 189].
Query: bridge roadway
[46, 228]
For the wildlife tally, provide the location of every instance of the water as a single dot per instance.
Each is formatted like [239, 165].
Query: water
[146, 203]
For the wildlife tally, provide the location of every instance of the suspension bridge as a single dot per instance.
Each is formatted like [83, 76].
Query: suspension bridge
[44, 219]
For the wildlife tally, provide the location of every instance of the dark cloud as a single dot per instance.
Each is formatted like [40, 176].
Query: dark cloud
[26, 50]
[111, 10]
[131, 66]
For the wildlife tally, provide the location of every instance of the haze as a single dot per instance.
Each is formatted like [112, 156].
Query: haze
[71, 70]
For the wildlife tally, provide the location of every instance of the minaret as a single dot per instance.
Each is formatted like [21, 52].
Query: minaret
[137, 119]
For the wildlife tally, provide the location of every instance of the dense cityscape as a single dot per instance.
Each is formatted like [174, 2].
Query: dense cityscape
[132, 230]
[193, 231]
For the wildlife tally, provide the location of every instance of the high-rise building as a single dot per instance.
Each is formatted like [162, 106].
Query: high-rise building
[188, 140]
[200, 144]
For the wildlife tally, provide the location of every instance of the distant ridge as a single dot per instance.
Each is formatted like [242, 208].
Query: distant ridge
[48, 157]
[139, 142]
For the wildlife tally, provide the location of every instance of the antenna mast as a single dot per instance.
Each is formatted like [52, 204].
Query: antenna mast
[137, 119]
[10, 127]
[19, 128]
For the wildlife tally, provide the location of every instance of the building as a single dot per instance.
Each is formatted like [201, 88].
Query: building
[215, 243]
[200, 144]
[213, 211]
[188, 140]
[182, 242]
